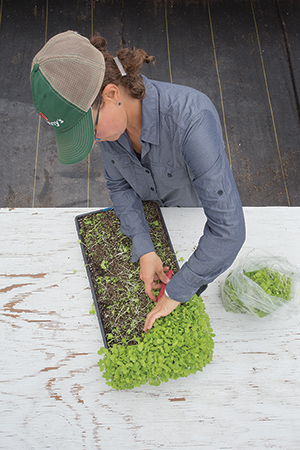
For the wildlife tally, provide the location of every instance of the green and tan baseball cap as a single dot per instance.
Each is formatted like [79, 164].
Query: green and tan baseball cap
[66, 77]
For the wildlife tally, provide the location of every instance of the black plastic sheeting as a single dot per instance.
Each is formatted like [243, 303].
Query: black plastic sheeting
[245, 55]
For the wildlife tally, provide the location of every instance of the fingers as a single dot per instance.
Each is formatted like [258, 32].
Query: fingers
[164, 307]
[152, 270]
[165, 269]
[153, 286]
[151, 318]
[162, 275]
[148, 290]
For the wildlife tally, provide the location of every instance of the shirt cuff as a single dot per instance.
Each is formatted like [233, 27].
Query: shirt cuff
[182, 290]
[141, 244]
[199, 292]
[166, 294]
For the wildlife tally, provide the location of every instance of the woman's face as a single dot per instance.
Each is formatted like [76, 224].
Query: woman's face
[112, 119]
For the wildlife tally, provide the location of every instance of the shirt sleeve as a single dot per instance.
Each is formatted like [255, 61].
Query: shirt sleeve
[129, 208]
[224, 231]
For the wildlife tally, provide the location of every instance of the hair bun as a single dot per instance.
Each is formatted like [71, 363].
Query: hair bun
[99, 42]
[131, 59]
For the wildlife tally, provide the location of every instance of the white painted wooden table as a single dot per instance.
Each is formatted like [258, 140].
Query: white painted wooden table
[52, 393]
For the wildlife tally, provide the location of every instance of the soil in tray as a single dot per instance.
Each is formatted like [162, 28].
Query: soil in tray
[118, 289]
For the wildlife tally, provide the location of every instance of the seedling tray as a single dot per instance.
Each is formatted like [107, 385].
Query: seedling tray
[86, 263]
[162, 243]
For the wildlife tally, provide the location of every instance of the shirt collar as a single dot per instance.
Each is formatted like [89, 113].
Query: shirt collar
[150, 114]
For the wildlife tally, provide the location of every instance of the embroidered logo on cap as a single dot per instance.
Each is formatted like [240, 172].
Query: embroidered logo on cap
[56, 122]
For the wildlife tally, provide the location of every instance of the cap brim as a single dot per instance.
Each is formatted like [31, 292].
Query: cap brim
[76, 143]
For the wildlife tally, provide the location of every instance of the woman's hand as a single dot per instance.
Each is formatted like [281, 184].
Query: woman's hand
[151, 271]
[164, 306]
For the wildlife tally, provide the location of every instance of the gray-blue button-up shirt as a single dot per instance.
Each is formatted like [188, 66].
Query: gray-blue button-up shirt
[183, 163]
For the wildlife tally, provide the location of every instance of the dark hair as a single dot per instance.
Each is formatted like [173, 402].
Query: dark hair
[131, 59]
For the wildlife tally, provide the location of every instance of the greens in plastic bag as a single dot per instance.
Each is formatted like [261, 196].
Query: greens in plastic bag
[261, 284]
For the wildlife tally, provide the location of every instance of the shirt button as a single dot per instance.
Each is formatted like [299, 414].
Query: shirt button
[220, 192]
[169, 175]
[112, 161]
[147, 171]
[151, 189]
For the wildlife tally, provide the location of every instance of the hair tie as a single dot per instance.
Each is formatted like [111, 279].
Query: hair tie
[120, 67]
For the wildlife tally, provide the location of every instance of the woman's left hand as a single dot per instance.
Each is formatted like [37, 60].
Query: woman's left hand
[164, 306]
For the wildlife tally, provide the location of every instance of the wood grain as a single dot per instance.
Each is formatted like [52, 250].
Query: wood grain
[52, 393]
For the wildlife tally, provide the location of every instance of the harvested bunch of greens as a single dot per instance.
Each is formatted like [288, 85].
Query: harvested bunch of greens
[259, 285]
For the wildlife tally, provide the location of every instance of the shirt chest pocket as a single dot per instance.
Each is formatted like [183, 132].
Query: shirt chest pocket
[137, 176]
[120, 162]
[170, 177]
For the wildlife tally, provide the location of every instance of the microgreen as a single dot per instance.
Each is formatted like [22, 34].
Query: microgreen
[92, 309]
[177, 346]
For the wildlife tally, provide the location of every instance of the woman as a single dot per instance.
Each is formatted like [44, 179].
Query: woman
[159, 141]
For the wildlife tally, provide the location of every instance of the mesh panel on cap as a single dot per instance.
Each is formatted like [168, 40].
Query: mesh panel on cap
[70, 43]
[73, 66]
[77, 80]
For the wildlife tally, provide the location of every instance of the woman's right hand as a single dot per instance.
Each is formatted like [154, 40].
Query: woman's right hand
[151, 272]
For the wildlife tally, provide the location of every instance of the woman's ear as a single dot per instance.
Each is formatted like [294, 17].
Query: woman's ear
[111, 92]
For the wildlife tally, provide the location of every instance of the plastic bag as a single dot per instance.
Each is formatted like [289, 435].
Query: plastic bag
[260, 284]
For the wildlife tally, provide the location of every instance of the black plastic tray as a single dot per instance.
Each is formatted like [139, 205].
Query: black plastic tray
[88, 269]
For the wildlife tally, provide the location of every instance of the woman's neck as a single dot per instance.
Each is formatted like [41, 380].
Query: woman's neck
[134, 116]
[134, 121]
